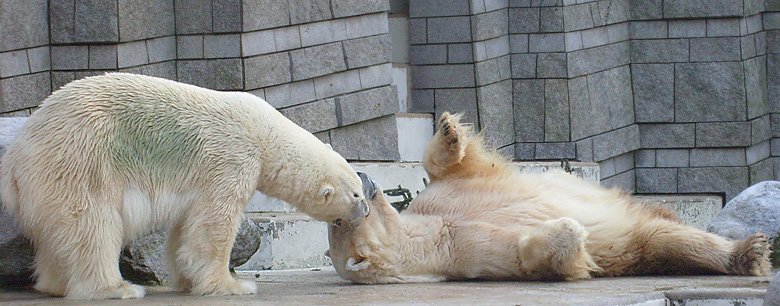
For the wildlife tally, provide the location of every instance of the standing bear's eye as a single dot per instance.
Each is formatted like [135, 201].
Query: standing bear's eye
[355, 195]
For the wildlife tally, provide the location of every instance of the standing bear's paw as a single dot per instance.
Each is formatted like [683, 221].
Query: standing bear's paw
[230, 286]
[751, 256]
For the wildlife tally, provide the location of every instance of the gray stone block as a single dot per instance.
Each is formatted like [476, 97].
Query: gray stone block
[715, 49]
[687, 28]
[165, 70]
[496, 113]
[556, 111]
[758, 152]
[70, 57]
[618, 32]
[723, 27]
[14, 63]
[667, 135]
[592, 60]
[343, 8]
[189, 47]
[438, 8]
[577, 17]
[160, 49]
[585, 150]
[523, 20]
[773, 82]
[366, 105]
[709, 92]
[729, 157]
[267, 70]
[525, 151]
[304, 11]
[701, 8]
[659, 51]
[488, 72]
[40, 59]
[616, 142]
[26, 23]
[518, 43]
[370, 51]
[722, 134]
[582, 124]
[226, 16]
[375, 76]
[422, 101]
[489, 25]
[551, 19]
[144, 20]
[625, 181]
[729, 180]
[760, 39]
[657, 180]
[290, 94]
[443, 76]
[317, 61]
[672, 158]
[748, 45]
[491, 48]
[551, 42]
[367, 25]
[611, 100]
[449, 30]
[194, 16]
[774, 146]
[287, 38]
[256, 43]
[775, 119]
[222, 46]
[771, 20]
[760, 129]
[761, 171]
[460, 54]
[95, 21]
[653, 87]
[428, 54]
[644, 158]
[323, 32]
[648, 29]
[264, 14]
[103, 57]
[132, 54]
[24, 91]
[555, 151]
[217, 74]
[646, 9]
[314, 117]
[610, 12]
[369, 140]
[337, 84]
[418, 30]
[573, 41]
[59, 78]
[595, 37]
[551, 65]
[756, 87]
[457, 101]
[528, 101]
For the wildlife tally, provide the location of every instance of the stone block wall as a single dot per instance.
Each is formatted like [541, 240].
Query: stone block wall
[667, 96]
[324, 64]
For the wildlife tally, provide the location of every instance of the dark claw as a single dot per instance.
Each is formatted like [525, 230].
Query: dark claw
[454, 141]
[446, 131]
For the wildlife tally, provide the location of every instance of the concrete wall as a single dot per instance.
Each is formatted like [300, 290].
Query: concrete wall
[667, 96]
[324, 64]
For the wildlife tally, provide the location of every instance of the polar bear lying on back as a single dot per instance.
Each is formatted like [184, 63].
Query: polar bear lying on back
[110, 157]
[479, 219]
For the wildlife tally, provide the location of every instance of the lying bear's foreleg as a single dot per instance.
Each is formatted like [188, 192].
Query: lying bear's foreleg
[665, 247]
[555, 250]
[205, 240]
[456, 152]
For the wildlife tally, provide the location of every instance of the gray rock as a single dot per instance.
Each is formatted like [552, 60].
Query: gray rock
[16, 254]
[143, 260]
[772, 297]
[755, 209]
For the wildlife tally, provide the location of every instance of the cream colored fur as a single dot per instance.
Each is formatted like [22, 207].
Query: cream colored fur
[479, 219]
[111, 157]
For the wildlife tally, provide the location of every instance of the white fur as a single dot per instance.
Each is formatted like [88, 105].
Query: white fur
[111, 157]
[478, 218]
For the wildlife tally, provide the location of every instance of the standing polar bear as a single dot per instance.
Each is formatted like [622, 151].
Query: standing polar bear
[478, 218]
[110, 157]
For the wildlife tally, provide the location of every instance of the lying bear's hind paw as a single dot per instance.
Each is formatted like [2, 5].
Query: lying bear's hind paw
[751, 256]
[450, 131]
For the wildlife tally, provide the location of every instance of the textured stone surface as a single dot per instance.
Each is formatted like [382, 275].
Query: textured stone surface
[653, 87]
[577, 17]
[449, 30]
[523, 66]
[693, 210]
[591, 60]
[337, 84]
[24, 91]
[290, 93]
[555, 150]
[367, 25]
[601, 102]
[367, 51]
[659, 51]
[148, 19]
[551, 65]
[772, 297]
[14, 63]
[221, 46]
[316, 61]
[132, 54]
[701, 8]
[202, 72]
[313, 117]
[496, 113]
[264, 14]
[709, 92]
[722, 134]
[667, 135]
[616, 142]
[489, 25]
[303, 11]
[457, 101]
[193, 16]
[25, 24]
[687, 28]
[443, 76]
[267, 70]
[367, 105]
[528, 100]
[672, 158]
[375, 139]
[718, 157]
[438, 8]
[342, 8]
[556, 111]
[729, 180]
[16, 252]
[715, 49]
[755, 209]
[83, 21]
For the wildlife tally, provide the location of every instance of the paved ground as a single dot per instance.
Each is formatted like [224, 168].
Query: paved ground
[324, 287]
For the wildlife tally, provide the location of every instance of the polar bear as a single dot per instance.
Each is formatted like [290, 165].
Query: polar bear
[110, 157]
[479, 219]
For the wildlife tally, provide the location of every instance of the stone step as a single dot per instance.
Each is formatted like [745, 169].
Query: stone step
[694, 210]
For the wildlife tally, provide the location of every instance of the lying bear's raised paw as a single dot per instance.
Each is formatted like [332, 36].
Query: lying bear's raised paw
[449, 129]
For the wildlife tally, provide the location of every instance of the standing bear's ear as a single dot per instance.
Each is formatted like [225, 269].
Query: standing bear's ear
[329, 146]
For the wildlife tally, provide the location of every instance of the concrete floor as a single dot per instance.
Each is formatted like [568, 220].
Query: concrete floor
[324, 287]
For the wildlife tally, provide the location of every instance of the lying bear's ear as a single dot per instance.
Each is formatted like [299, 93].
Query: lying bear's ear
[355, 265]
[326, 190]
